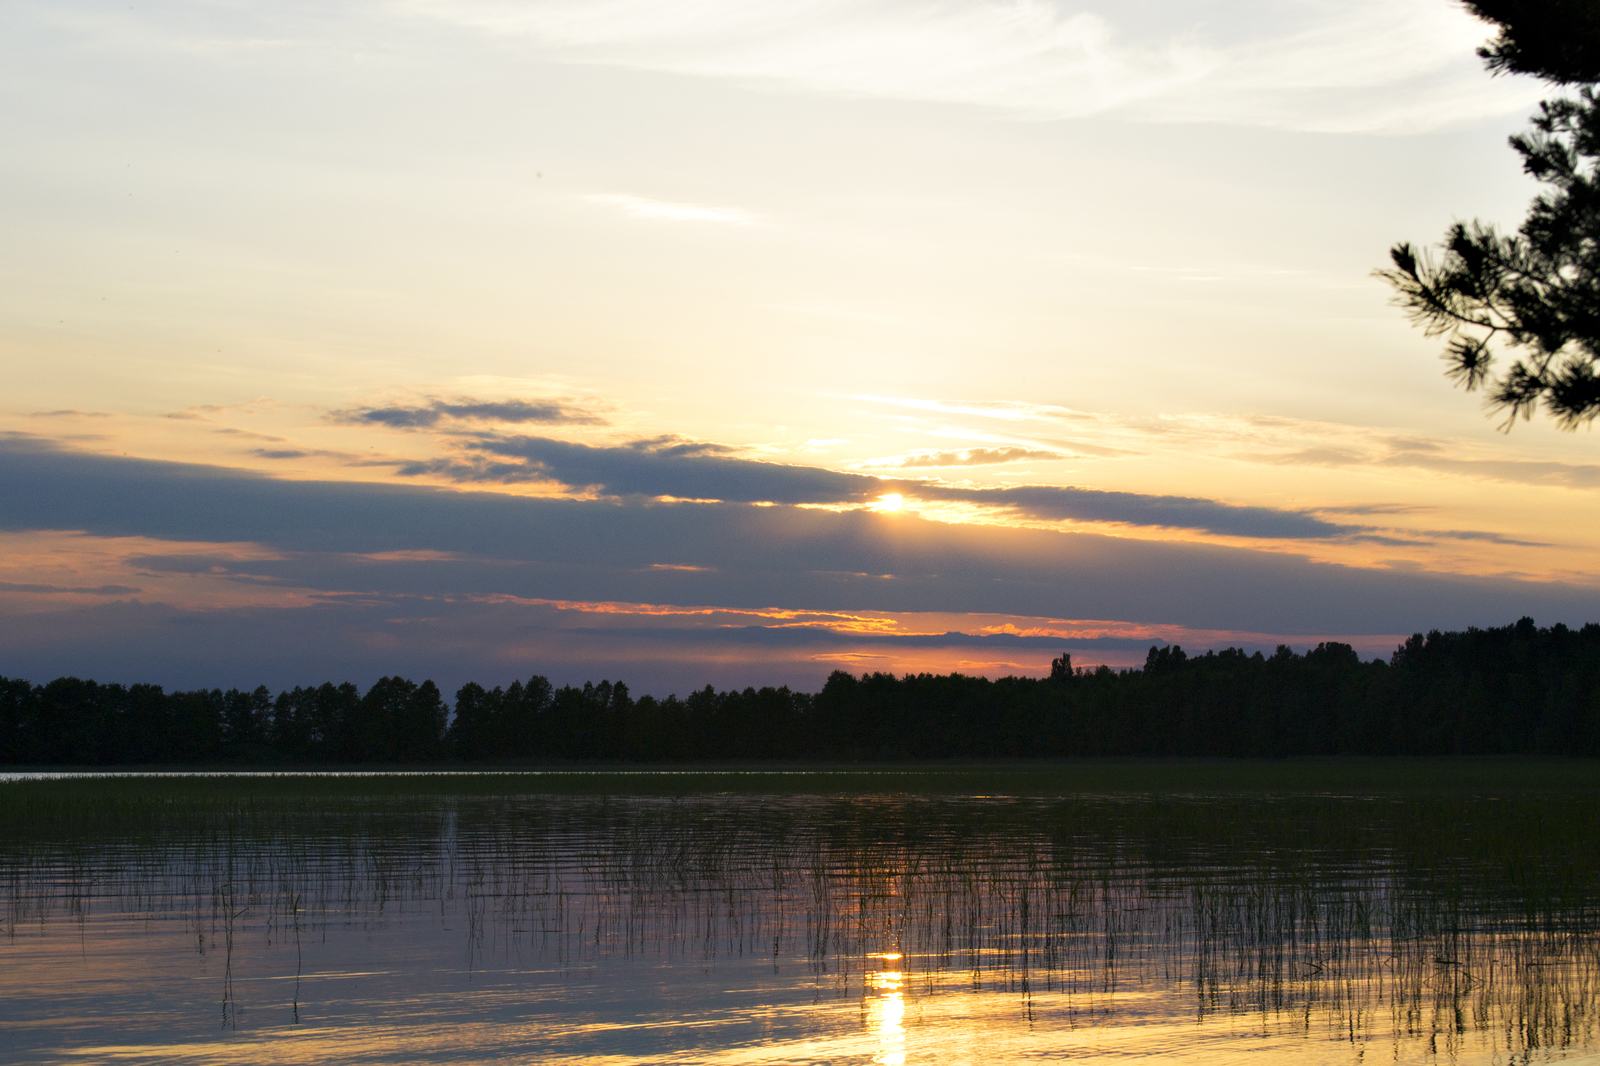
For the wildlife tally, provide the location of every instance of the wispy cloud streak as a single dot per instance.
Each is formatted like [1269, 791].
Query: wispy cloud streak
[1364, 65]
[425, 416]
[96, 590]
[959, 457]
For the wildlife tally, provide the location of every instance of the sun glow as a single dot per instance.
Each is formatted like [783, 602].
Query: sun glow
[889, 501]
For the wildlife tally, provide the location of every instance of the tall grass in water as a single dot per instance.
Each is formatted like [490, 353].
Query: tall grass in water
[1433, 912]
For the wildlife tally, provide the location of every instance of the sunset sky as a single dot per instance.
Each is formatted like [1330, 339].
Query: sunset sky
[696, 341]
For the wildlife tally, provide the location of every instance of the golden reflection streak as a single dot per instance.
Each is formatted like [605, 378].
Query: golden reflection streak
[887, 1013]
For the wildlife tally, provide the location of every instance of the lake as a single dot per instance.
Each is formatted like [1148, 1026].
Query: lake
[1279, 913]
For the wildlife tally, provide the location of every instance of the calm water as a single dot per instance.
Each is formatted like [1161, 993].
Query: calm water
[227, 926]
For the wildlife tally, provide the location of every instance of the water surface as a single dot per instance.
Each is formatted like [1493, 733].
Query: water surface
[424, 920]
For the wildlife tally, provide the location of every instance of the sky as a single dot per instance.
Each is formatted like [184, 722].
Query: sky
[696, 342]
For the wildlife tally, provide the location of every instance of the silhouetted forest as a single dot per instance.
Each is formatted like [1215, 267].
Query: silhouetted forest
[1517, 689]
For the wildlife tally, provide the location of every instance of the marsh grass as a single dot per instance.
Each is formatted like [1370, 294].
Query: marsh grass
[1458, 900]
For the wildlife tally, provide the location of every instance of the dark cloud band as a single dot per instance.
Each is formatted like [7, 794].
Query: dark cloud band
[667, 467]
[747, 557]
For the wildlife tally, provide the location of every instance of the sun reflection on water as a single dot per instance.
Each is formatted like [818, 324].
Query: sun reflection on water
[888, 1011]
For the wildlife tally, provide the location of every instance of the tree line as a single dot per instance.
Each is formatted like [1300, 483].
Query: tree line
[1517, 689]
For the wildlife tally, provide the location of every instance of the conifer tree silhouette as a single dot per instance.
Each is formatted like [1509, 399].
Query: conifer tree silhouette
[1535, 292]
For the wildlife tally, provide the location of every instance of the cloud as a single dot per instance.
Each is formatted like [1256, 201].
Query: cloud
[671, 445]
[960, 457]
[1485, 537]
[1138, 509]
[97, 590]
[1052, 421]
[1425, 455]
[467, 410]
[221, 565]
[675, 468]
[639, 207]
[1362, 65]
[663, 466]
[303, 453]
[808, 636]
[326, 534]
[1260, 439]
[1008, 410]
[668, 467]
[1520, 471]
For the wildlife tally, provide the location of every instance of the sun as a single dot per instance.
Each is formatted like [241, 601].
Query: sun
[889, 501]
